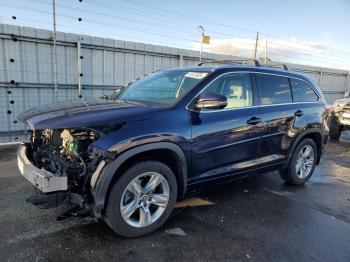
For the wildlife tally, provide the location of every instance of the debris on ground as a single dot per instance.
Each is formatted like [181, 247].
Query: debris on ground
[193, 202]
[175, 231]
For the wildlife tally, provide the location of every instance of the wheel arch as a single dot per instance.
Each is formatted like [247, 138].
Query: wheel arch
[316, 135]
[155, 151]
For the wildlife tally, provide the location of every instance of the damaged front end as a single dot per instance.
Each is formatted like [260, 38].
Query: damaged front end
[60, 164]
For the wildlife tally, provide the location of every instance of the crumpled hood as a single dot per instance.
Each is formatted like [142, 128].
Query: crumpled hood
[86, 112]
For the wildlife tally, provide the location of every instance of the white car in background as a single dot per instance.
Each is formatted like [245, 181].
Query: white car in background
[340, 119]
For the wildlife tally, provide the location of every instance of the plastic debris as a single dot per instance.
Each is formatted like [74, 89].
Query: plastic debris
[175, 231]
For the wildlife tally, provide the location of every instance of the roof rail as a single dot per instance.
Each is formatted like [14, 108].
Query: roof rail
[232, 61]
[278, 65]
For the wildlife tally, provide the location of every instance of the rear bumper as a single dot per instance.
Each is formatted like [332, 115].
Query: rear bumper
[41, 179]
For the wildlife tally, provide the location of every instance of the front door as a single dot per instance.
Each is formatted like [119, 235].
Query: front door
[226, 141]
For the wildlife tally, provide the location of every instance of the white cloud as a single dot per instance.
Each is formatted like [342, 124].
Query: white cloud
[291, 51]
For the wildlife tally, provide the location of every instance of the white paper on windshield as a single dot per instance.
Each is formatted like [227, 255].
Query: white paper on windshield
[197, 75]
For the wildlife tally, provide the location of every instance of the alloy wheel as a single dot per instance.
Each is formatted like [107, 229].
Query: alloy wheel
[305, 161]
[144, 199]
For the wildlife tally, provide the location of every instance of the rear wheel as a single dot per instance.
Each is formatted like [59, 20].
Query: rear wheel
[141, 199]
[302, 163]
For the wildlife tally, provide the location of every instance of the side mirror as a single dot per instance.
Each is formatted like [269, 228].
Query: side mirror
[211, 101]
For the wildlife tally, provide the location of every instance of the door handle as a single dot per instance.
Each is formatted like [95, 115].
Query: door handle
[253, 121]
[298, 113]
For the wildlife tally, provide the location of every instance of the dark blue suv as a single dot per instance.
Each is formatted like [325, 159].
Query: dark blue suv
[128, 157]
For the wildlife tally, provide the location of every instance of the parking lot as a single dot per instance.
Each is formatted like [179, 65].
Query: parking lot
[257, 219]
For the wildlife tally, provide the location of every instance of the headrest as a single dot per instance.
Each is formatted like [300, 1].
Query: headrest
[236, 90]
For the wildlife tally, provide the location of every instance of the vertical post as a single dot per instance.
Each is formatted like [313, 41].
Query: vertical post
[79, 66]
[256, 44]
[181, 59]
[347, 87]
[54, 49]
[266, 49]
[320, 79]
[201, 30]
[200, 53]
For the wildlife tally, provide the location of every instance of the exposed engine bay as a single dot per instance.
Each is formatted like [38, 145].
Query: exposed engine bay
[66, 152]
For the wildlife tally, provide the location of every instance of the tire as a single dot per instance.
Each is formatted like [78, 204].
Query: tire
[147, 215]
[335, 131]
[291, 175]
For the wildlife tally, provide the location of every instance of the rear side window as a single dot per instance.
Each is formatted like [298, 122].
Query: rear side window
[273, 89]
[302, 92]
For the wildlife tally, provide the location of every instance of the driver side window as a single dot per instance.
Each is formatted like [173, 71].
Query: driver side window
[236, 87]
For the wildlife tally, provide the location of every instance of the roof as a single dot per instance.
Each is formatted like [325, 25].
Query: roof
[240, 67]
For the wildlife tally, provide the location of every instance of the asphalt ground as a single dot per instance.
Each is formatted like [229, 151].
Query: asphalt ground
[256, 219]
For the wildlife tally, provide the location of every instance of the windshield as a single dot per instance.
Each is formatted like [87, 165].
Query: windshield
[165, 87]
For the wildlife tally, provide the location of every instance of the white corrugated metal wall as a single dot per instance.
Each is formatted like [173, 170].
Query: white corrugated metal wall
[26, 70]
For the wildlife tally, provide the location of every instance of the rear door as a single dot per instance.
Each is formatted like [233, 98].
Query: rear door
[283, 118]
[307, 100]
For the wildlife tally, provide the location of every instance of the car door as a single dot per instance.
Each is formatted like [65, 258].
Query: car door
[283, 118]
[226, 141]
[307, 103]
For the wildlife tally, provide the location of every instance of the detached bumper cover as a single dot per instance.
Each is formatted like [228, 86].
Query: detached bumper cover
[345, 118]
[41, 179]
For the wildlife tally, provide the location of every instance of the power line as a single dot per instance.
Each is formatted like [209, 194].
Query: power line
[109, 33]
[142, 22]
[105, 24]
[138, 21]
[189, 16]
[89, 30]
[157, 18]
[218, 23]
[144, 31]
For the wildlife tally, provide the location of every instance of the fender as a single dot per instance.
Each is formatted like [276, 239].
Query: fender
[101, 190]
[301, 136]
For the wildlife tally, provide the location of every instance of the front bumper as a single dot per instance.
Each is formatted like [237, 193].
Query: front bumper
[41, 179]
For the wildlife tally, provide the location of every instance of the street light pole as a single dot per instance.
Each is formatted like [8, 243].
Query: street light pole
[54, 49]
[256, 45]
[201, 30]
[266, 49]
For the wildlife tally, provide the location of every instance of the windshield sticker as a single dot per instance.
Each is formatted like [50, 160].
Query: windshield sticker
[197, 75]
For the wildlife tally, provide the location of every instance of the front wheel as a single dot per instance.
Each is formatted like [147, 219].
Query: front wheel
[142, 199]
[302, 163]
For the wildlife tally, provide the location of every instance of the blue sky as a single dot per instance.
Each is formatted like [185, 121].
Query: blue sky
[307, 32]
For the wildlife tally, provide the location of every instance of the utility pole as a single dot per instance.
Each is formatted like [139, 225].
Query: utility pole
[201, 29]
[266, 49]
[256, 44]
[205, 40]
[54, 49]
